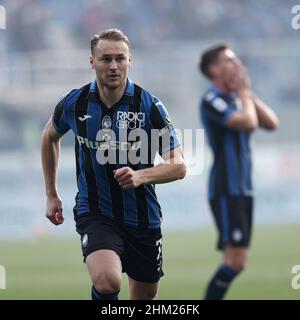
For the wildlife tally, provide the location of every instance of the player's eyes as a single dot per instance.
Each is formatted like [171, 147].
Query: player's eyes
[107, 60]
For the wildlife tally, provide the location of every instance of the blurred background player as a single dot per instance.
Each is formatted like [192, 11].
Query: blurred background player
[117, 213]
[230, 112]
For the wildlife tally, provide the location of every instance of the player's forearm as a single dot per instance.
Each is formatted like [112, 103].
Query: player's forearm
[248, 111]
[50, 154]
[266, 116]
[171, 170]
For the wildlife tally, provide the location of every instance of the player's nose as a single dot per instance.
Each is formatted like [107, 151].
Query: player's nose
[113, 65]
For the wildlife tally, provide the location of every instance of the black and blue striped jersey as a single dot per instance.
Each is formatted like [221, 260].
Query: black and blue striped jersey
[82, 111]
[231, 170]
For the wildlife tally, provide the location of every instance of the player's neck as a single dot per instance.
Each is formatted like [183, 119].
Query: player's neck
[220, 85]
[109, 96]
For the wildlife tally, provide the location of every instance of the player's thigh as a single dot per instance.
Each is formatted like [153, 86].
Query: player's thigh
[142, 290]
[102, 247]
[104, 265]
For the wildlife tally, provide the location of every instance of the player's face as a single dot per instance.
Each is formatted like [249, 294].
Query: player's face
[226, 60]
[111, 61]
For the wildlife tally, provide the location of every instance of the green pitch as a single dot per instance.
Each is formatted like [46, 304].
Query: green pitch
[53, 268]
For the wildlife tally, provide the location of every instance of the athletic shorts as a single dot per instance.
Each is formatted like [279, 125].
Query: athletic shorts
[233, 218]
[140, 250]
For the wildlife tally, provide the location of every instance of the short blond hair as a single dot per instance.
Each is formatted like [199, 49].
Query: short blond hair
[109, 34]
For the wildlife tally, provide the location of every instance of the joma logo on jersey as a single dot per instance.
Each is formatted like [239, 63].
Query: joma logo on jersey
[130, 120]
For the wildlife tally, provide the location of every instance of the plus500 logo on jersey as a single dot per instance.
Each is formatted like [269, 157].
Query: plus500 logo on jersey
[130, 120]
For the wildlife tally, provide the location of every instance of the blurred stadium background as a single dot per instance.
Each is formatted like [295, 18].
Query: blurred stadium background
[45, 52]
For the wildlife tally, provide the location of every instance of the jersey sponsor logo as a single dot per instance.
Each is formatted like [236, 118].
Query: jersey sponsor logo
[130, 120]
[169, 122]
[106, 123]
[108, 144]
[116, 145]
[238, 103]
[85, 117]
[219, 104]
[209, 96]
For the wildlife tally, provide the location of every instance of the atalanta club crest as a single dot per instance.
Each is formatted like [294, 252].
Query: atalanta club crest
[106, 123]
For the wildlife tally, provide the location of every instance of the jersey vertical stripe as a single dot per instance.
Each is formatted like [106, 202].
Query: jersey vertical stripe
[81, 126]
[231, 163]
[141, 201]
[116, 193]
[94, 111]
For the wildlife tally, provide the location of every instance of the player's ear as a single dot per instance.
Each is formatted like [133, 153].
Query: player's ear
[92, 62]
[213, 71]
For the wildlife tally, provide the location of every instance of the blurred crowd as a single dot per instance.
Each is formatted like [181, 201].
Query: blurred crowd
[35, 78]
[43, 24]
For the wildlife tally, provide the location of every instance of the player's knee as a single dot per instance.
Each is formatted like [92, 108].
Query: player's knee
[107, 283]
[149, 294]
[238, 263]
[238, 266]
[142, 293]
[236, 259]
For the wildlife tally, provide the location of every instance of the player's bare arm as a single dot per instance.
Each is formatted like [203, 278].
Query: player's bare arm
[173, 168]
[267, 118]
[238, 81]
[50, 150]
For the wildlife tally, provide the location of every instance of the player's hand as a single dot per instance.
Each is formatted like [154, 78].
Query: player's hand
[54, 211]
[236, 77]
[128, 178]
[245, 81]
[229, 72]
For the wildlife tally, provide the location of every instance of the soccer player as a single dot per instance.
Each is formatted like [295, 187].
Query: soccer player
[117, 213]
[230, 112]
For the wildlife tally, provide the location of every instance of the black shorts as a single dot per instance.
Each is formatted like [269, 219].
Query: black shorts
[233, 218]
[140, 250]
